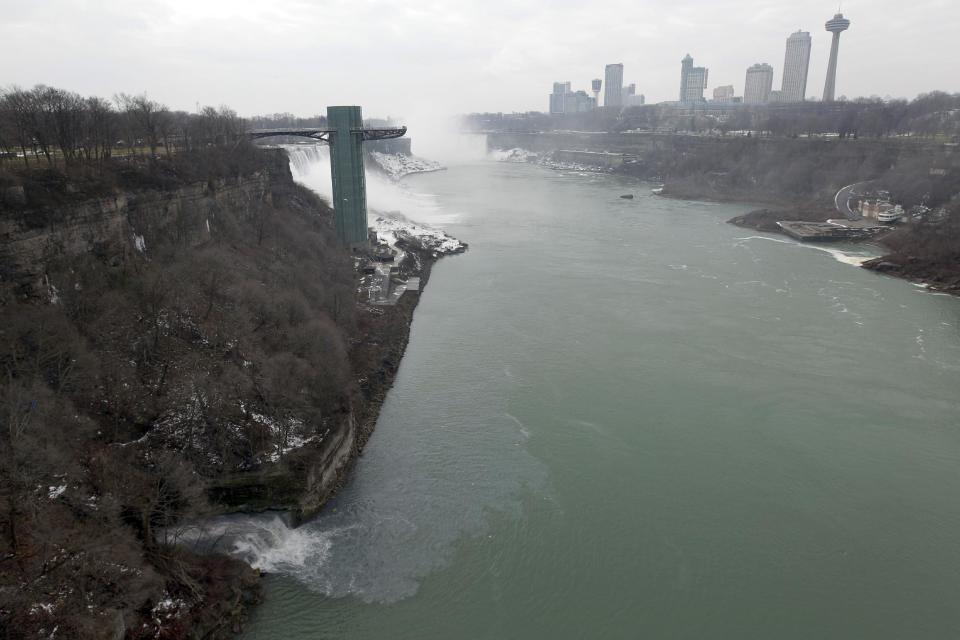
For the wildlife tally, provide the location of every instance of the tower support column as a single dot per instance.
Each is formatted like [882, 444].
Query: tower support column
[348, 176]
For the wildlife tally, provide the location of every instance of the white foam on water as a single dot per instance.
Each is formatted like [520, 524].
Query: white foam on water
[265, 542]
[524, 432]
[845, 257]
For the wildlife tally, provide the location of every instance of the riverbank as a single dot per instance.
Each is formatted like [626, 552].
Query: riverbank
[922, 253]
[925, 253]
[309, 476]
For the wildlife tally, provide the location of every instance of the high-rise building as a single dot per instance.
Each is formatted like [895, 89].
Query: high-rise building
[685, 66]
[724, 93]
[560, 89]
[756, 89]
[595, 84]
[838, 25]
[613, 79]
[693, 81]
[796, 63]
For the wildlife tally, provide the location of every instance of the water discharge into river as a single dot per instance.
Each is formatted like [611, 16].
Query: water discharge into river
[627, 418]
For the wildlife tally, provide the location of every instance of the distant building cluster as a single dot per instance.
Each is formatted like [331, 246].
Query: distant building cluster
[757, 90]
[758, 85]
[564, 100]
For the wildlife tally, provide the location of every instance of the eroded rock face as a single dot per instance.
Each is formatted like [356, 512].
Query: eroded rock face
[301, 482]
[31, 240]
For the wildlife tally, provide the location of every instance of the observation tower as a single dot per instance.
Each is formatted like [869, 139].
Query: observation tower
[838, 25]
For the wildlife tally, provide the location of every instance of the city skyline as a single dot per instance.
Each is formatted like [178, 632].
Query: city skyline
[470, 57]
[758, 83]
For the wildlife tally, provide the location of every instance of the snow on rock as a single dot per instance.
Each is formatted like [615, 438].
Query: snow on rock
[395, 227]
[546, 160]
[286, 432]
[398, 165]
[139, 243]
[167, 611]
[513, 155]
[56, 492]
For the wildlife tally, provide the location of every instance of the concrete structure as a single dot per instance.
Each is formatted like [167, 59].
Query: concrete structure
[796, 64]
[564, 100]
[693, 81]
[595, 85]
[598, 159]
[724, 93]
[345, 134]
[613, 79]
[635, 100]
[829, 231]
[838, 25]
[759, 82]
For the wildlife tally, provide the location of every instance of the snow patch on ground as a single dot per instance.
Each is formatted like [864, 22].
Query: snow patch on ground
[287, 434]
[394, 227]
[398, 165]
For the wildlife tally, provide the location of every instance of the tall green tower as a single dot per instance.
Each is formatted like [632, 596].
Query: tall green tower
[349, 179]
[345, 135]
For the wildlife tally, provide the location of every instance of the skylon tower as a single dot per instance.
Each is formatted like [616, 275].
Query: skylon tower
[838, 25]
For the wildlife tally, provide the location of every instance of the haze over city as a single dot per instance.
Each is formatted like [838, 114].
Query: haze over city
[418, 56]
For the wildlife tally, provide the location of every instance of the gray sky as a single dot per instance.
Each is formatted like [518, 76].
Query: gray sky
[420, 56]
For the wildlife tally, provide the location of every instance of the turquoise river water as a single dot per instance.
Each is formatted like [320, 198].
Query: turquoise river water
[629, 419]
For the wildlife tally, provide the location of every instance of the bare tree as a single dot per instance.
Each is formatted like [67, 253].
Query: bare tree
[148, 117]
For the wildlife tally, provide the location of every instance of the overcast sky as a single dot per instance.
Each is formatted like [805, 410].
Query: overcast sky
[401, 57]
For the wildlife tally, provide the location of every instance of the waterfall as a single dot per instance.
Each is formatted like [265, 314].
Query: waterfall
[310, 165]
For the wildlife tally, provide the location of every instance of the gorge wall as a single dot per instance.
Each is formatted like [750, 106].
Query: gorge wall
[779, 170]
[179, 344]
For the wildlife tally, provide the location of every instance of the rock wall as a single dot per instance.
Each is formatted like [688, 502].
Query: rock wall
[300, 483]
[112, 227]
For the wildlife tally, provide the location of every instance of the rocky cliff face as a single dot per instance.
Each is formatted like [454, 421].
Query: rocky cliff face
[160, 342]
[113, 227]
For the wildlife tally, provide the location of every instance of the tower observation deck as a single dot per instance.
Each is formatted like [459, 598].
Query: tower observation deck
[836, 26]
[345, 135]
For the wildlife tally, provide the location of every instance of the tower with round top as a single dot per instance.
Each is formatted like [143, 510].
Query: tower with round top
[836, 26]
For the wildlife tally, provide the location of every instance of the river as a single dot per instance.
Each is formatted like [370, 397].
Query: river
[627, 418]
